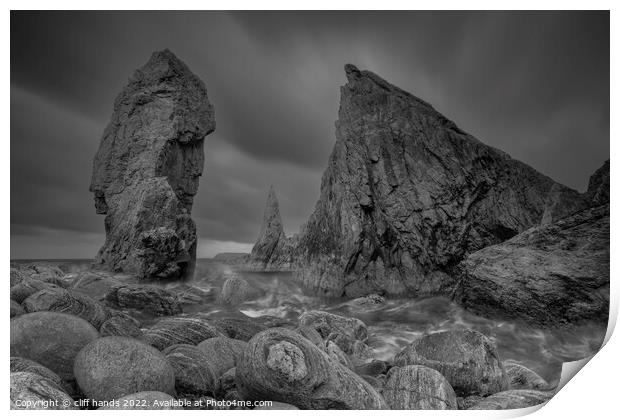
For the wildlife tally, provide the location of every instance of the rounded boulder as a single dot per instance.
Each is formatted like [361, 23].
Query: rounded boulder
[112, 367]
[52, 339]
[418, 388]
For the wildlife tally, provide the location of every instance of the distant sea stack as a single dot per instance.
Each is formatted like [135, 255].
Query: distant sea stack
[147, 168]
[407, 195]
[273, 251]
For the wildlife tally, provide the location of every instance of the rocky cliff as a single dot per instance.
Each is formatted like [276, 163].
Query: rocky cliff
[407, 195]
[147, 168]
[273, 251]
[551, 275]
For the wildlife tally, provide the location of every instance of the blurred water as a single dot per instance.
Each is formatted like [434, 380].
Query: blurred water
[393, 324]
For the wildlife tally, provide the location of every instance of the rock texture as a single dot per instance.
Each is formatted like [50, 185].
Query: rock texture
[273, 251]
[518, 398]
[521, 377]
[151, 299]
[466, 358]
[193, 372]
[223, 353]
[418, 388]
[146, 171]
[407, 194]
[112, 367]
[598, 187]
[549, 276]
[179, 330]
[30, 391]
[52, 339]
[281, 365]
[19, 364]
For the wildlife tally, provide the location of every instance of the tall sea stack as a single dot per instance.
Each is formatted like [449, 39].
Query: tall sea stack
[407, 195]
[147, 168]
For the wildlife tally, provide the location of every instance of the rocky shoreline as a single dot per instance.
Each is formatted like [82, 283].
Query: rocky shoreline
[74, 341]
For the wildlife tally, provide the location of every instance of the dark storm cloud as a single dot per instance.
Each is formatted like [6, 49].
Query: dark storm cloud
[533, 84]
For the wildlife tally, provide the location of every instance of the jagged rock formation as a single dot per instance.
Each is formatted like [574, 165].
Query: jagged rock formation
[598, 187]
[407, 195]
[147, 168]
[273, 251]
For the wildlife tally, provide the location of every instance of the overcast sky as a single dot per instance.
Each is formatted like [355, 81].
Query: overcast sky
[535, 85]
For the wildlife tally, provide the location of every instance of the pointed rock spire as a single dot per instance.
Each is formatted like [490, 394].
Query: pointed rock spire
[271, 231]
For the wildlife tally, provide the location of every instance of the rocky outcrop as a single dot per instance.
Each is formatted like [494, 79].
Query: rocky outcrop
[407, 195]
[466, 358]
[549, 276]
[598, 187]
[147, 168]
[273, 250]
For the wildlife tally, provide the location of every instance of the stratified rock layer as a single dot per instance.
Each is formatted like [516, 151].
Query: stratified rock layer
[147, 168]
[407, 194]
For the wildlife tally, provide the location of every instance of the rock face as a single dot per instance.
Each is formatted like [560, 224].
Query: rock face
[548, 276]
[418, 388]
[466, 358]
[52, 339]
[407, 194]
[147, 168]
[598, 187]
[281, 365]
[273, 251]
[112, 367]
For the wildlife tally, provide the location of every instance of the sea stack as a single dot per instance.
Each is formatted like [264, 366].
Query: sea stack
[147, 168]
[273, 251]
[407, 195]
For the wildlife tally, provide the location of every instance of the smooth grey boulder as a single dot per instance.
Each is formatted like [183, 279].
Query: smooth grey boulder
[179, 330]
[418, 388]
[516, 398]
[281, 365]
[16, 309]
[151, 299]
[29, 286]
[19, 364]
[407, 194]
[145, 400]
[554, 275]
[69, 302]
[147, 169]
[235, 291]
[112, 367]
[30, 391]
[52, 339]
[223, 353]
[520, 377]
[193, 372]
[466, 358]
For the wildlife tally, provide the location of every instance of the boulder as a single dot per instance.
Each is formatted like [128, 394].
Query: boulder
[234, 291]
[367, 303]
[281, 365]
[30, 391]
[407, 194]
[515, 398]
[418, 388]
[466, 358]
[19, 364]
[16, 309]
[328, 325]
[312, 335]
[17, 276]
[337, 354]
[95, 284]
[598, 187]
[179, 330]
[521, 377]
[548, 276]
[272, 251]
[52, 339]
[223, 353]
[69, 302]
[151, 299]
[123, 325]
[29, 286]
[145, 400]
[237, 328]
[147, 168]
[112, 367]
[194, 376]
